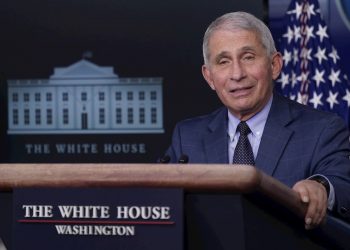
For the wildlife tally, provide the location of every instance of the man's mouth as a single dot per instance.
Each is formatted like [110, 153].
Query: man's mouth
[241, 90]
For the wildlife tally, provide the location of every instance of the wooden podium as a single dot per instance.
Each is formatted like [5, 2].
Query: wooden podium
[226, 207]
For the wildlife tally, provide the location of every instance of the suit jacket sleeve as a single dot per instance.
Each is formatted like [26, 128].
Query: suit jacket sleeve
[332, 160]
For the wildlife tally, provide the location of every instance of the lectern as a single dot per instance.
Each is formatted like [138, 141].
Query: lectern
[226, 206]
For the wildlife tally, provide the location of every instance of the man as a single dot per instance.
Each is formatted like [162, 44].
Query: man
[306, 149]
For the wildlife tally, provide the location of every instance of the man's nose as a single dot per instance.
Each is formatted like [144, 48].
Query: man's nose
[237, 71]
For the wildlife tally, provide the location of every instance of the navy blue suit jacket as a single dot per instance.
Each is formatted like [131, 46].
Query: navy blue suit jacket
[297, 142]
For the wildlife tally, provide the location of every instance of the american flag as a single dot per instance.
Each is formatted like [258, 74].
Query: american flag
[311, 74]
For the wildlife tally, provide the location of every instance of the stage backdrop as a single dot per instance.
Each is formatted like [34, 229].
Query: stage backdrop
[102, 80]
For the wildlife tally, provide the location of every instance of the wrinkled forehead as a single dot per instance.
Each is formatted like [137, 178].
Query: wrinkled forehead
[239, 38]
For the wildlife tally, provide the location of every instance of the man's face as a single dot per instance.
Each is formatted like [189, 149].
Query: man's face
[240, 71]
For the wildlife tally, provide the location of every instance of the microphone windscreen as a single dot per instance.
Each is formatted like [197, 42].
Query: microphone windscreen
[183, 159]
[165, 159]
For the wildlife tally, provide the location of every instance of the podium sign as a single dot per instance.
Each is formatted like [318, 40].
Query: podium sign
[98, 218]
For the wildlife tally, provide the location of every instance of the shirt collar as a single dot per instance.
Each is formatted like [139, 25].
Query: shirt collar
[255, 123]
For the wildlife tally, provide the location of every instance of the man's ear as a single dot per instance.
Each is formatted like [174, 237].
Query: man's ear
[207, 76]
[276, 65]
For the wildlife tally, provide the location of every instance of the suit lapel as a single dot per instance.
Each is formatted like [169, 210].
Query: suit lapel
[274, 140]
[275, 136]
[215, 142]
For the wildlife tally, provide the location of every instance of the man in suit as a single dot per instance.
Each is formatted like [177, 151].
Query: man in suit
[306, 149]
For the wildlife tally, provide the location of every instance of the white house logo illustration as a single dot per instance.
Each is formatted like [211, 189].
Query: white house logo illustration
[85, 98]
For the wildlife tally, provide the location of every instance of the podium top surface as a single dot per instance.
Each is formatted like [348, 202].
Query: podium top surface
[190, 177]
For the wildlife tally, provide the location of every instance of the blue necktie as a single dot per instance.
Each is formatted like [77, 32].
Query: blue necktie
[243, 152]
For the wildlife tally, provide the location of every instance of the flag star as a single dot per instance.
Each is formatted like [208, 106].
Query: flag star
[297, 11]
[303, 77]
[309, 32]
[299, 98]
[332, 99]
[334, 77]
[294, 79]
[295, 56]
[310, 10]
[318, 77]
[302, 98]
[306, 54]
[334, 55]
[289, 34]
[316, 100]
[321, 54]
[287, 57]
[284, 79]
[322, 32]
[297, 33]
[347, 97]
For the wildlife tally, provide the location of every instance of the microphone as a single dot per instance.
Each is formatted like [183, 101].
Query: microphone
[183, 159]
[165, 159]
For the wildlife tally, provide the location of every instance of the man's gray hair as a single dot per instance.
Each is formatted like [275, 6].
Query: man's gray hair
[239, 21]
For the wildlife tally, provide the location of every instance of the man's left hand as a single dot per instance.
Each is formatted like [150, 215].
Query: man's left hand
[314, 195]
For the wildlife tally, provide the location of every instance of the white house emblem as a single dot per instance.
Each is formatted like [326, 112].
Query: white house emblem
[85, 98]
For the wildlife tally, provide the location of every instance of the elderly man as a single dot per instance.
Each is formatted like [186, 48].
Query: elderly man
[306, 149]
